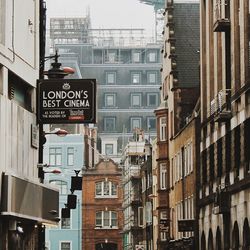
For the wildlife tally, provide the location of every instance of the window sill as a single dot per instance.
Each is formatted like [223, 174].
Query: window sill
[107, 197]
[106, 228]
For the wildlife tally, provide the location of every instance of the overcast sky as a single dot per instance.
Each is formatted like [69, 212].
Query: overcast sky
[106, 13]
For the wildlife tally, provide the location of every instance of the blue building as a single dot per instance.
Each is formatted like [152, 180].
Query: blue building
[67, 154]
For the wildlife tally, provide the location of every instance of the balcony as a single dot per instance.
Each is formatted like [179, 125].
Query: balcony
[220, 106]
[221, 16]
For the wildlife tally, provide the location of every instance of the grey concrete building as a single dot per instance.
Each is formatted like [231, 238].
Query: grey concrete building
[127, 68]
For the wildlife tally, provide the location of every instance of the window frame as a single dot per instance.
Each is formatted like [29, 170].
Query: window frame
[163, 127]
[113, 75]
[133, 119]
[139, 95]
[148, 77]
[135, 74]
[65, 241]
[102, 194]
[57, 161]
[156, 99]
[148, 123]
[112, 146]
[103, 220]
[163, 176]
[69, 155]
[113, 122]
[106, 95]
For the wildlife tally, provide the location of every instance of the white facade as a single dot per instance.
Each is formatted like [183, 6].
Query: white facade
[23, 196]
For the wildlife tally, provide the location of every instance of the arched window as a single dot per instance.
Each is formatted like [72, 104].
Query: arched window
[203, 241]
[61, 185]
[210, 240]
[218, 239]
[246, 235]
[235, 238]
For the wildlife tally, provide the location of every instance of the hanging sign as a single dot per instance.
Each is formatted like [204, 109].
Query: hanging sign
[66, 101]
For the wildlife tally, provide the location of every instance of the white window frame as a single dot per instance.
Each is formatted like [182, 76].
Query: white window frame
[66, 219]
[110, 193]
[61, 185]
[70, 156]
[111, 145]
[65, 241]
[148, 123]
[163, 176]
[163, 235]
[113, 74]
[132, 119]
[113, 122]
[132, 95]
[55, 156]
[149, 77]
[110, 226]
[113, 97]
[136, 56]
[135, 77]
[152, 56]
[163, 125]
[148, 99]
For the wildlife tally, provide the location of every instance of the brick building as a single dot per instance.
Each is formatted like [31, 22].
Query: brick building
[176, 127]
[102, 207]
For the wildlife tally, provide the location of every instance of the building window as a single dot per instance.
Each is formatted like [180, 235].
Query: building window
[110, 100]
[163, 236]
[135, 78]
[163, 176]
[163, 125]
[55, 156]
[140, 216]
[151, 123]
[20, 91]
[152, 99]
[135, 122]
[65, 223]
[65, 245]
[152, 56]
[106, 219]
[151, 77]
[136, 57]
[61, 185]
[135, 99]
[110, 77]
[109, 149]
[105, 188]
[111, 57]
[70, 156]
[109, 124]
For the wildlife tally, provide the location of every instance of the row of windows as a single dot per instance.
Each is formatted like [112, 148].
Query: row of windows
[55, 156]
[181, 164]
[135, 122]
[112, 56]
[135, 77]
[186, 212]
[227, 152]
[136, 100]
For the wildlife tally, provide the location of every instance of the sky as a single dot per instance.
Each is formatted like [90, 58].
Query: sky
[106, 13]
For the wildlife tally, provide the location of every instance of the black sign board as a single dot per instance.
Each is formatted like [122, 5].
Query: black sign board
[186, 225]
[67, 101]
